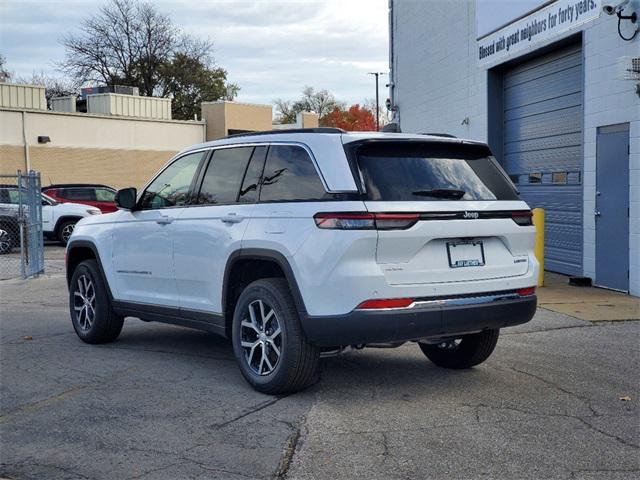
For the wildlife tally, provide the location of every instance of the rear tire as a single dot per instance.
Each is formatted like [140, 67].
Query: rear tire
[269, 344]
[465, 352]
[90, 307]
[65, 230]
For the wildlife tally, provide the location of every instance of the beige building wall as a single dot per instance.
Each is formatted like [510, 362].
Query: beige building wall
[307, 120]
[87, 148]
[223, 116]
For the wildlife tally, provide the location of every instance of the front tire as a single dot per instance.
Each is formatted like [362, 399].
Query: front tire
[269, 344]
[464, 352]
[90, 307]
[65, 230]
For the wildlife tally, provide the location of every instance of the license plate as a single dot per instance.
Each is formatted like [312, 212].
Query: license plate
[465, 254]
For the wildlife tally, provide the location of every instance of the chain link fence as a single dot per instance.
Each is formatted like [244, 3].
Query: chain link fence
[21, 240]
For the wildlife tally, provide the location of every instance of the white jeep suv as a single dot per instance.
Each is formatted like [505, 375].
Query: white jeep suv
[58, 218]
[297, 244]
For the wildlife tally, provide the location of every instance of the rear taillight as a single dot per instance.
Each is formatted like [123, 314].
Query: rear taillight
[395, 221]
[385, 303]
[345, 221]
[526, 292]
[365, 221]
[522, 218]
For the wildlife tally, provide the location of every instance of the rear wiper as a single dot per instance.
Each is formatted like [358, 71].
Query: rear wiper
[441, 193]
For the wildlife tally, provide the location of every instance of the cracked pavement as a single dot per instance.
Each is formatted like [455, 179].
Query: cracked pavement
[169, 403]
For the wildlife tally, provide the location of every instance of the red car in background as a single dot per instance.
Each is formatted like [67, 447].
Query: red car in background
[100, 196]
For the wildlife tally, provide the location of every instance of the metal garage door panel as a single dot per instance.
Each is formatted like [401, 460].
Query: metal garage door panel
[544, 160]
[543, 148]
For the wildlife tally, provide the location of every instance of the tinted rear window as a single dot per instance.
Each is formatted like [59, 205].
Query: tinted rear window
[422, 171]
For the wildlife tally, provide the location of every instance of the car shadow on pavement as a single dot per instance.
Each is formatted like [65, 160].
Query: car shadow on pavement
[399, 369]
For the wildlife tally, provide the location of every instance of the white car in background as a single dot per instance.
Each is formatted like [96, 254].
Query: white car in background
[58, 219]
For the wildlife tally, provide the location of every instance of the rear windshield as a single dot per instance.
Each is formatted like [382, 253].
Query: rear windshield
[421, 171]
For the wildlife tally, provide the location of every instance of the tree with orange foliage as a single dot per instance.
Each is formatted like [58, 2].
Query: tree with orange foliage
[355, 119]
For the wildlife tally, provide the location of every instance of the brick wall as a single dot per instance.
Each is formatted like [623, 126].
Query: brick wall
[117, 168]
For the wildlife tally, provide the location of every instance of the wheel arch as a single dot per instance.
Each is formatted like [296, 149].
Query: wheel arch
[65, 218]
[271, 263]
[79, 251]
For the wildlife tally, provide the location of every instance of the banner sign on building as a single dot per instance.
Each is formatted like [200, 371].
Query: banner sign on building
[548, 22]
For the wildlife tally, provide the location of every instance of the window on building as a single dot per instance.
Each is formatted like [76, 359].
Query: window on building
[289, 174]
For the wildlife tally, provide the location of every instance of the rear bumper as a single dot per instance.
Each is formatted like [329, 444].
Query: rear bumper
[435, 319]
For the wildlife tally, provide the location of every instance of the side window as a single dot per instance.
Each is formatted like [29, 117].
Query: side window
[9, 196]
[79, 194]
[289, 174]
[249, 190]
[222, 179]
[171, 187]
[105, 195]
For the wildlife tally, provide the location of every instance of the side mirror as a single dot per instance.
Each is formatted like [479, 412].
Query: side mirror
[126, 198]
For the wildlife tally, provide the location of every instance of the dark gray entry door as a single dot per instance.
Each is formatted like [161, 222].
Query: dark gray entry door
[612, 207]
[542, 151]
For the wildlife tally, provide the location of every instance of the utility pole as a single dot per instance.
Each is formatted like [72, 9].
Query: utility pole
[377, 75]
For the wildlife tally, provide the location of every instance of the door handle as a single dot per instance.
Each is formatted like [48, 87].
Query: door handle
[164, 220]
[596, 213]
[232, 218]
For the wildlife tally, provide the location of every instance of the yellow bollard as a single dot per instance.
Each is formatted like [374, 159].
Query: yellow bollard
[538, 222]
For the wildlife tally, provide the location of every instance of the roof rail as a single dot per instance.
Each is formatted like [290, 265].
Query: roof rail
[80, 185]
[446, 135]
[293, 130]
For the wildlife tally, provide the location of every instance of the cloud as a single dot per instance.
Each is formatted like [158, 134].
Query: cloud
[271, 48]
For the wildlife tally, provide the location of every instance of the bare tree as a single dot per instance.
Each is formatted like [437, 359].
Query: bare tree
[321, 102]
[53, 86]
[5, 76]
[285, 112]
[131, 43]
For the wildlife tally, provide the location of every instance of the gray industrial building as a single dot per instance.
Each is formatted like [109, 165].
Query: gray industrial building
[554, 88]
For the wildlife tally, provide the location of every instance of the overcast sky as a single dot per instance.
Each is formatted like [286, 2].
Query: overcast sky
[270, 48]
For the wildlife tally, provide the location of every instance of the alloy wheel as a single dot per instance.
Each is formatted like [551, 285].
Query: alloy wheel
[5, 241]
[67, 230]
[261, 338]
[85, 302]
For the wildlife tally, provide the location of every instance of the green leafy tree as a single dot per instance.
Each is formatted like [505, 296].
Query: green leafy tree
[190, 82]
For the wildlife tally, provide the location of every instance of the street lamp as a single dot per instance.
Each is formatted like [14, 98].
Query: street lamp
[377, 75]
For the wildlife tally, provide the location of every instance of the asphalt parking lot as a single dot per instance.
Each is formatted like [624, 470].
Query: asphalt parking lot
[558, 399]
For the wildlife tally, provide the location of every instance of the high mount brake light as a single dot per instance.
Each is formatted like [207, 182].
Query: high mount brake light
[523, 217]
[365, 221]
[385, 303]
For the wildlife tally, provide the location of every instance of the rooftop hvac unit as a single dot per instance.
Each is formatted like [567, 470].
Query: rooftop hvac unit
[120, 89]
[629, 68]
